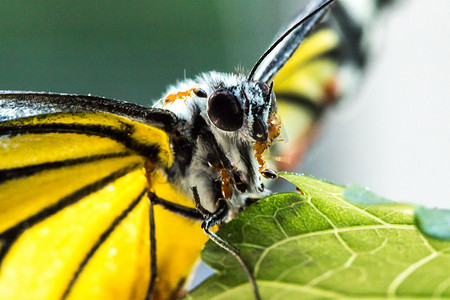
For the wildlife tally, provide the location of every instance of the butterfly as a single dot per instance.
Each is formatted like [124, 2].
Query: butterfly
[92, 189]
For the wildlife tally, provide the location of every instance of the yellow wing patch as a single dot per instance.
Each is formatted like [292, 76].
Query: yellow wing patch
[74, 211]
[178, 241]
[54, 147]
[304, 86]
[310, 80]
[44, 259]
[23, 197]
[306, 72]
[123, 257]
[133, 135]
[320, 42]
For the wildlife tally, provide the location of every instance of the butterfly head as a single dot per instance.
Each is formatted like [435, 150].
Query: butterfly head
[243, 108]
[231, 121]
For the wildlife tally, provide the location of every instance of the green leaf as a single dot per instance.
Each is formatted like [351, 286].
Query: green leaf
[314, 244]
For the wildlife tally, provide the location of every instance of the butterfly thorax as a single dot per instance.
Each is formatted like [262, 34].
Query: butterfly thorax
[222, 119]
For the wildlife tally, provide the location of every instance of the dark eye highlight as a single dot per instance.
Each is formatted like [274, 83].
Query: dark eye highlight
[225, 111]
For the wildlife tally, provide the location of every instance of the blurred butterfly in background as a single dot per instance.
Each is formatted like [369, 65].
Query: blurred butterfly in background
[103, 199]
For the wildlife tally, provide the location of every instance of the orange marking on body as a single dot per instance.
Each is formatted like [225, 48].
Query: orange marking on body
[180, 95]
[258, 150]
[274, 128]
[227, 189]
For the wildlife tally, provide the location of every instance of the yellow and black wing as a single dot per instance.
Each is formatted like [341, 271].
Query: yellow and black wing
[305, 87]
[74, 212]
[323, 69]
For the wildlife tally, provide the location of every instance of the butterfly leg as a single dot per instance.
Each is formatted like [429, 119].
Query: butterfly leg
[218, 217]
[198, 206]
[188, 212]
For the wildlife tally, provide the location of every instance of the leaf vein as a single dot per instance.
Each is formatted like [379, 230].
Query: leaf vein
[392, 289]
[325, 232]
[441, 288]
[331, 272]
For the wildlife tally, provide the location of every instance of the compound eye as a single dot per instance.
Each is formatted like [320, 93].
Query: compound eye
[225, 111]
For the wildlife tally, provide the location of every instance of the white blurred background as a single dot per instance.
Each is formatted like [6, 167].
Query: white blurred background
[395, 136]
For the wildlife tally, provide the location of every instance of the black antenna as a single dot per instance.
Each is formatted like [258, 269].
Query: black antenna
[277, 42]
